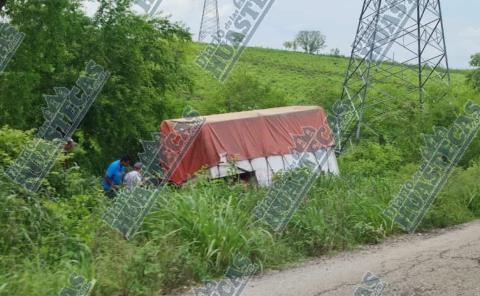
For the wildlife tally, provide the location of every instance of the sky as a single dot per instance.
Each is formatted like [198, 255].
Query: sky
[337, 20]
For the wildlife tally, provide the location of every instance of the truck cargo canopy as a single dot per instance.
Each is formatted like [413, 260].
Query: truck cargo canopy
[250, 135]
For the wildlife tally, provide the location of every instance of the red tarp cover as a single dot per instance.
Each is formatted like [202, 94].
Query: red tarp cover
[248, 135]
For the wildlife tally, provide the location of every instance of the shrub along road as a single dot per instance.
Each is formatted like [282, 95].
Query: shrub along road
[443, 262]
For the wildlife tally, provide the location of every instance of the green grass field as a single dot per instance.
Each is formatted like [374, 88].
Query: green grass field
[303, 78]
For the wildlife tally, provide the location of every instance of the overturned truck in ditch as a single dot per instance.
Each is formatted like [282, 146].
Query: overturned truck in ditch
[257, 144]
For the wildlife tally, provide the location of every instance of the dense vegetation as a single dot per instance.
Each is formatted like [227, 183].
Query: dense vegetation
[194, 231]
[145, 59]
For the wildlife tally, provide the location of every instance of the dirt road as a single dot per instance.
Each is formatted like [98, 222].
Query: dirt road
[446, 262]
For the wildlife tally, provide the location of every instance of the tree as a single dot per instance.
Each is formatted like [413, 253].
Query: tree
[237, 38]
[473, 78]
[294, 45]
[335, 52]
[288, 45]
[311, 41]
[146, 59]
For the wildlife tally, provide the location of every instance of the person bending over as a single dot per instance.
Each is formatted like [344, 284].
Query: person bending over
[114, 176]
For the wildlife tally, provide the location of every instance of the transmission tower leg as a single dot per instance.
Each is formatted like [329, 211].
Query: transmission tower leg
[392, 38]
[210, 23]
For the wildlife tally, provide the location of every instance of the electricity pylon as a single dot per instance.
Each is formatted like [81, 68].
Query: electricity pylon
[399, 41]
[210, 24]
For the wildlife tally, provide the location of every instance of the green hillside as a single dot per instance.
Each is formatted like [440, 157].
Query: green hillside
[299, 76]
[302, 78]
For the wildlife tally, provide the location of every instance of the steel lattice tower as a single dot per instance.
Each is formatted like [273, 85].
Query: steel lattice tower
[399, 41]
[210, 24]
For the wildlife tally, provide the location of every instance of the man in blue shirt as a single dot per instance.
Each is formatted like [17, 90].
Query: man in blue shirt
[114, 176]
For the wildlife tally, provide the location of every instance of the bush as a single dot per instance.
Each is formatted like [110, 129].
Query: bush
[50, 231]
[241, 92]
[371, 159]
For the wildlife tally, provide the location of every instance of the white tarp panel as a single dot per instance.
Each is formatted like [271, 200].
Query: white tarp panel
[310, 157]
[288, 160]
[262, 171]
[244, 166]
[276, 163]
[264, 168]
[223, 169]
[214, 173]
[320, 156]
[333, 165]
